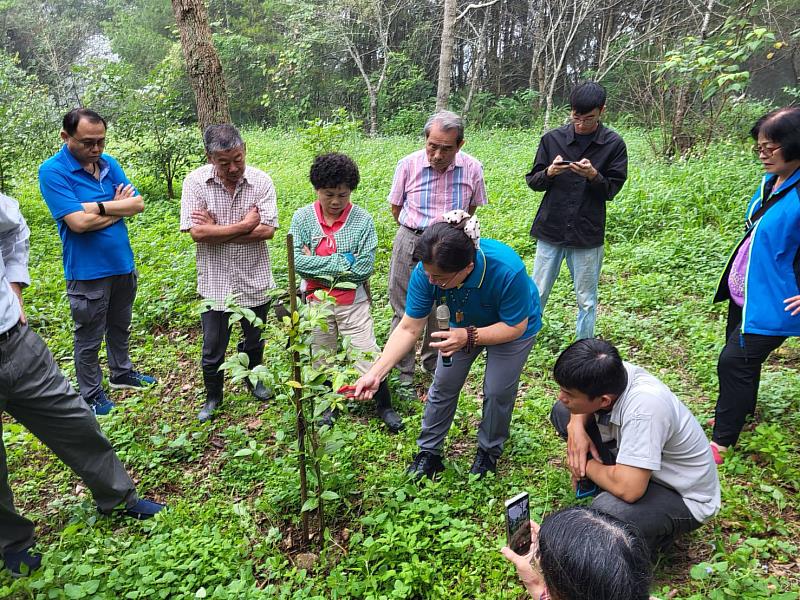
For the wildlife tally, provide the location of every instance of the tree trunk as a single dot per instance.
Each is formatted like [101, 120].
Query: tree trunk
[477, 67]
[446, 54]
[202, 62]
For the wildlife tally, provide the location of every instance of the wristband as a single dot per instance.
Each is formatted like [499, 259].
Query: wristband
[101, 208]
[472, 338]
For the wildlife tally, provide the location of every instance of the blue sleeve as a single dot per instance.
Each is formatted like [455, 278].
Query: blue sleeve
[58, 193]
[421, 294]
[515, 299]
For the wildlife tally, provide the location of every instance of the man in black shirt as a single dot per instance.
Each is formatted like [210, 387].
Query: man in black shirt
[579, 167]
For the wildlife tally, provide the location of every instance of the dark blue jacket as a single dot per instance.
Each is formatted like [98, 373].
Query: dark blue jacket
[773, 268]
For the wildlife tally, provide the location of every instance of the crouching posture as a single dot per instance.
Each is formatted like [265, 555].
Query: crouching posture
[334, 247]
[493, 305]
[631, 436]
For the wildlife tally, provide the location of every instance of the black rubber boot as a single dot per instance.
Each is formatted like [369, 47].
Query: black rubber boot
[213, 383]
[383, 406]
[260, 391]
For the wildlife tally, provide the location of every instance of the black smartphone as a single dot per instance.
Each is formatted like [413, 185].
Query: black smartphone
[585, 488]
[564, 163]
[518, 523]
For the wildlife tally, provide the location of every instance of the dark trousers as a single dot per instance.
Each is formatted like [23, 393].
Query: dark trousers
[101, 308]
[739, 372]
[35, 393]
[660, 514]
[217, 334]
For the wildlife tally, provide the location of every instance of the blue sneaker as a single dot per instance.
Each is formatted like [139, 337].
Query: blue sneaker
[133, 380]
[22, 563]
[144, 509]
[100, 404]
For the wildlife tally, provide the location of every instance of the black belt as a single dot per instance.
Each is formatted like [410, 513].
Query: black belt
[414, 231]
[7, 334]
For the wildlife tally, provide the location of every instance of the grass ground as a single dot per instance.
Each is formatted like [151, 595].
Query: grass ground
[231, 527]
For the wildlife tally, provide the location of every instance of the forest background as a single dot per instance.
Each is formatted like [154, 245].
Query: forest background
[685, 79]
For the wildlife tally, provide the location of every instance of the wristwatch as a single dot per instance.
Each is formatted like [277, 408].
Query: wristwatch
[101, 208]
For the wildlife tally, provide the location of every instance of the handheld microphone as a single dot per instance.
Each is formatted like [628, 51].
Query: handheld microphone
[443, 321]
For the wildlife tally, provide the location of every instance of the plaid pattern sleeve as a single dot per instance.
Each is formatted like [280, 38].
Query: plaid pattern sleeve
[357, 237]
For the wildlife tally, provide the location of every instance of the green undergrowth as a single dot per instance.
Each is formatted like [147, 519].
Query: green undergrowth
[232, 485]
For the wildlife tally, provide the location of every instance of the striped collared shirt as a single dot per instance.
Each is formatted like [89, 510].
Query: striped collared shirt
[240, 270]
[425, 194]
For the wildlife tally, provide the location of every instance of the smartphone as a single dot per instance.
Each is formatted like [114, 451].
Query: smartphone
[564, 163]
[518, 523]
[585, 488]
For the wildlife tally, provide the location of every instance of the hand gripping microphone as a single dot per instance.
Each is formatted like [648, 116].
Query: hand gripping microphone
[443, 321]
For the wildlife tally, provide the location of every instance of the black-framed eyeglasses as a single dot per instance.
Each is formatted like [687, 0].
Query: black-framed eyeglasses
[584, 120]
[765, 150]
[90, 144]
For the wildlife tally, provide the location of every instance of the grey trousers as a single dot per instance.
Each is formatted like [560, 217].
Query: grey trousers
[660, 514]
[504, 364]
[36, 394]
[400, 269]
[101, 308]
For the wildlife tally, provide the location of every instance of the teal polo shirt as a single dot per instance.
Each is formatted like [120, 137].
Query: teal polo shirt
[64, 185]
[497, 290]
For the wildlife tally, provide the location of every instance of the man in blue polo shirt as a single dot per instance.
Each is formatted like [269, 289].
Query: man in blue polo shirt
[89, 196]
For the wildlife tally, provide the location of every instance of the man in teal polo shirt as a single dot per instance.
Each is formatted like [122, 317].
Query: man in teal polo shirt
[89, 196]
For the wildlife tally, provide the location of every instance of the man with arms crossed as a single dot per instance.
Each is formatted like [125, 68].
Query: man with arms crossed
[428, 183]
[230, 211]
[632, 437]
[579, 167]
[35, 393]
[89, 196]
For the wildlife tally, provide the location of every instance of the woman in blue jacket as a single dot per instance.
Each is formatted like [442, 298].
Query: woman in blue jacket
[762, 278]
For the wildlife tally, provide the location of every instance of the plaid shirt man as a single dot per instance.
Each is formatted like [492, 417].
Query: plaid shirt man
[425, 194]
[240, 270]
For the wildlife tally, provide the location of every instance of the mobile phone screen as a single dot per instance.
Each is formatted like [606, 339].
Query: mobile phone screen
[565, 162]
[518, 523]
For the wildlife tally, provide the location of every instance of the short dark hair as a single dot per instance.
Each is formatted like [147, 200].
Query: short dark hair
[446, 246]
[585, 554]
[70, 121]
[586, 97]
[220, 138]
[332, 170]
[781, 126]
[593, 367]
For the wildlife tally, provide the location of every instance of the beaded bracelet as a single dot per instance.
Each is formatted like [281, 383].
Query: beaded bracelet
[472, 338]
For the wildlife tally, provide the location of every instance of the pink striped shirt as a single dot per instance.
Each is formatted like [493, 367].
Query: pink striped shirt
[425, 194]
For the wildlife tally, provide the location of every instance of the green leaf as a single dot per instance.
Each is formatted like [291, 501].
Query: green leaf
[294, 384]
[243, 452]
[329, 495]
[310, 504]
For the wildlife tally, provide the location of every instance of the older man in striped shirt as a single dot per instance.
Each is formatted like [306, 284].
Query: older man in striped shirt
[428, 183]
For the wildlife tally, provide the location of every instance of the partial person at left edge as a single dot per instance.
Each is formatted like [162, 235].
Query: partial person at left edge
[89, 197]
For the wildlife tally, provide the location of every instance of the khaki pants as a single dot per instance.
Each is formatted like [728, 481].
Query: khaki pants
[354, 321]
[399, 274]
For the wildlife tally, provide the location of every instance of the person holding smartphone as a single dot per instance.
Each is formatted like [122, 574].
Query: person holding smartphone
[579, 167]
[582, 554]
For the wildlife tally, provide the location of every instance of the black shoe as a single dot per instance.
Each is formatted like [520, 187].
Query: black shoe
[393, 421]
[208, 410]
[425, 464]
[328, 417]
[260, 391]
[484, 462]
[22, 563]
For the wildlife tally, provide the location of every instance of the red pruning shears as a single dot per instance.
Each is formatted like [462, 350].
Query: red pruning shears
[348, 391]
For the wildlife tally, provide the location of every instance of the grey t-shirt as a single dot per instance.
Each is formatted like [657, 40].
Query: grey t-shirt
[655, 431]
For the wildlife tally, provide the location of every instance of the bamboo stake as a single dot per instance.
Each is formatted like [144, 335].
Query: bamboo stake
[297, 391]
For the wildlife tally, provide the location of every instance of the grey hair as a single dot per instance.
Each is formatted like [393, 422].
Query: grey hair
[447, 121]
[219, 138]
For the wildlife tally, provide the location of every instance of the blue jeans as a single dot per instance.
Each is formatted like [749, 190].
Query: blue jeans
[584, 266]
